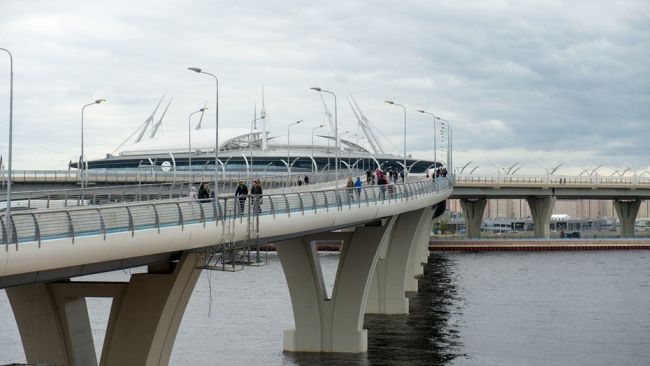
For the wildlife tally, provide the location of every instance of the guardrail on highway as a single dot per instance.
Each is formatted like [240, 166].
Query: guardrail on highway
[552, 180]
[40, 225]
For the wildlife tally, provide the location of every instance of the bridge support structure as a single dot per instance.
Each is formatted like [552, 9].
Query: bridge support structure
[399, 262]
[473, 213]
[334, 323]
[541, 209]
[145, 314]
[627, 212]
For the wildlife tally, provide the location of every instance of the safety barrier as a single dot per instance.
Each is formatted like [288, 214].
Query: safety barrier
[593, 180]
[40, 225]
[60, 198]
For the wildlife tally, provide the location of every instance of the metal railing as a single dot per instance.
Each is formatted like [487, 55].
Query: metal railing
[135, 175]
[40, 225]
[59, 198]
[592, 180]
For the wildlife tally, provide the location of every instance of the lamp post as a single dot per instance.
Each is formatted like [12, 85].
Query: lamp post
[9, 177]
[189, 139]
[289, 145]
[81, 160]
[216, 129]
[435, 136]
[404, 108]
[336, 133]
[312, 139]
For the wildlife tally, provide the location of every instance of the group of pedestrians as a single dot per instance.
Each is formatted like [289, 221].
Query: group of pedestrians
[241, 193]
[384, 177]
[438, 173]
[204, 193]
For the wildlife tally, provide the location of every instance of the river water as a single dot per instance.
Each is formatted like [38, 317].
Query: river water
[554, 308]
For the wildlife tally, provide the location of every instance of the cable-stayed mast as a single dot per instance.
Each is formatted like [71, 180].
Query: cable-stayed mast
[155, 127]
[145, 124]
[365, 129]
[263, 118]
[370, 134]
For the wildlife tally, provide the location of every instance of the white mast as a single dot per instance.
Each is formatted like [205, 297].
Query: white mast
[146, 123]
[155, 127]
[263, 117]
[365, 129]
[371, 136]
[329, 120]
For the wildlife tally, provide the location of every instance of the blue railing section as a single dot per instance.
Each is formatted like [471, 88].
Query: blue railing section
[41, 225]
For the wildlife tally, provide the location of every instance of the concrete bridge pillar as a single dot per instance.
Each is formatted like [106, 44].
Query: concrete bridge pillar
[398, 262]
[145, 315]
[473, 215]
[324, 323]
[626, 212]
[541, 209]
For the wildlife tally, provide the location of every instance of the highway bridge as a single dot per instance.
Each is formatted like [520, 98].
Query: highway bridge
[385, 233]
[541, 192]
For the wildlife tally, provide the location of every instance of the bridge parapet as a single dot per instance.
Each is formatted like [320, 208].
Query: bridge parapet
[61, 198]
[101, 220]
[551, 180]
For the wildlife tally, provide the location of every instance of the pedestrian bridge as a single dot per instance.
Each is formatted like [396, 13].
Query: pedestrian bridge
[541, 192]
[384, 243]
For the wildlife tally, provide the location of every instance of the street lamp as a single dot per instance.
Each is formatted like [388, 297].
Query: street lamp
[81, 161]
[435, 138]
[216, 129]
[189, 138]
[336, 132]
[11, 111]
[404, 108]
[312, 138]
[288, 145]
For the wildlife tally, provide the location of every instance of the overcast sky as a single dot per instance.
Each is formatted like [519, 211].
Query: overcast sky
[520, 80]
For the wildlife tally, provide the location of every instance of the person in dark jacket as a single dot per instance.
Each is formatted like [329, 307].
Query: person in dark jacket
[241, 193]
[256, 192]
[204, 192]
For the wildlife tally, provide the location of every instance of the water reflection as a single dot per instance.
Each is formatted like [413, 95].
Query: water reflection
[429, 335]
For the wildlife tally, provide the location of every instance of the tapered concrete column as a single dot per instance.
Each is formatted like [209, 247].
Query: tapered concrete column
[143, 327]
[473, 215]
[335, 324]
[419, 244]
[395, 270]
[145, 315]
[52, 331]
[541, 209]
[626, 212]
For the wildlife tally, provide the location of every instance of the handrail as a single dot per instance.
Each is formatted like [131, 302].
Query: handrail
[74, 222]
[68, 197]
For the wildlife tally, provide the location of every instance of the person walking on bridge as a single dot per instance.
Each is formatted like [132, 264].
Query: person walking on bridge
[350, 187]
[256, 192]
[241, 193]
[193, 195]
[357, 186]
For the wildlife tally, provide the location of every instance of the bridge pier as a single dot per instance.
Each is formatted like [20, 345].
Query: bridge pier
[626, 212]
[145, 315]
[331, 323]
[473, 214]
[399, 262]
[541, 209]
